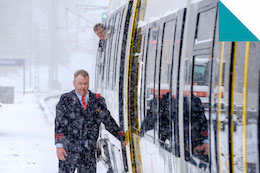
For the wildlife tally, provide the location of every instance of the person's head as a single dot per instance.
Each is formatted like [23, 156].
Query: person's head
[81, 82]
[100, 30]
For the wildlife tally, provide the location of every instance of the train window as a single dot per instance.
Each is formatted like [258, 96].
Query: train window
[98, 69]
[108, 50]
[103, 68]
[206, 23]
[150, 102]
[114, 42]
[200, 106]
[186, 108]
[140, 51]
[201, 75]
[166, 101]
[105, 60]
[187, 66]
[119, 24]
[118, 60]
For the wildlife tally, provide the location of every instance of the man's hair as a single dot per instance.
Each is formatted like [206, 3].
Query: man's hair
[99, 25]
[82, 73]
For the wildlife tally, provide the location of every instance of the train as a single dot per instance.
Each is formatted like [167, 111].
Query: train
[188, 103]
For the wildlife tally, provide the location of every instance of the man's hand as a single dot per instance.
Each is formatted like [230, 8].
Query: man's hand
[124, 143]
[202, 148]
[61, 153]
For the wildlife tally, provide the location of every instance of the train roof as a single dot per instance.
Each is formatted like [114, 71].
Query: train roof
[114, 5]
[153, 9]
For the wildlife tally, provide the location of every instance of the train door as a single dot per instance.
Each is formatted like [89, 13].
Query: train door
[130, 88]
[245, 111]
[197, 85]
[163, 94]
[139, 115]
[149, 128]
[168, 71]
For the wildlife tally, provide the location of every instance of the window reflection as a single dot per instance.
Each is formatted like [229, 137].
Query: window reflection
[200, 101]
[151, 92]
[165, 120]
[205, 30]
[195, 117]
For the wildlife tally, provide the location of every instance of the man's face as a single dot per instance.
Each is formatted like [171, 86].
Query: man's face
[101, 33]
[81, 85]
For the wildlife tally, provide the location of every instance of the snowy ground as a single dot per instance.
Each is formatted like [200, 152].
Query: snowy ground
[27, 138]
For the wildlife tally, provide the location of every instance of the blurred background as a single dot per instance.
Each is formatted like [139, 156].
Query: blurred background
[43, 42]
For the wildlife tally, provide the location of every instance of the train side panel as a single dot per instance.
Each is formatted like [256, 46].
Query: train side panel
[175, 88]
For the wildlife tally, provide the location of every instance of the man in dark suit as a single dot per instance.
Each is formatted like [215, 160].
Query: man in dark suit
[79, 114]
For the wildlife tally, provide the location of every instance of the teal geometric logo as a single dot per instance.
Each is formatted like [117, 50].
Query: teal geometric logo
[231, 28]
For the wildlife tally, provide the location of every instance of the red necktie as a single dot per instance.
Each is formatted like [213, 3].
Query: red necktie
[84, 102]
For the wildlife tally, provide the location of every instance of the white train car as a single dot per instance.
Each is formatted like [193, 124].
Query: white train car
[174, 88]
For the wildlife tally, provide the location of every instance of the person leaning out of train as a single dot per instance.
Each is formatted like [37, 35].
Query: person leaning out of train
[79, 114]
[103, 33]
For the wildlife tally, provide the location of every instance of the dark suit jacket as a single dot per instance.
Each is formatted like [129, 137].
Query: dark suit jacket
[74, 125]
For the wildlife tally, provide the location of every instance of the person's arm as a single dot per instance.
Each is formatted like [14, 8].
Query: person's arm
[60, 124]
[109, 121]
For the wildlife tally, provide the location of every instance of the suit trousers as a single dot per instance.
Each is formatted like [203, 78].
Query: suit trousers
[84, 162]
